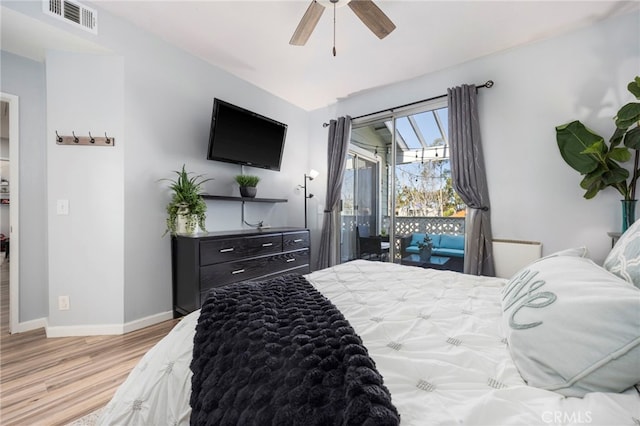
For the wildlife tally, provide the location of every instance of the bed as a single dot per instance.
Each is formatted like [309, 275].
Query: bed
[450, 346]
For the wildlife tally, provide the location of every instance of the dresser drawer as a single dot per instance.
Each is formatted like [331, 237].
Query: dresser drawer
[264, 244]
[248, 269]
[295, 240]
[240, 270]
[229, 272]
[303, 269]
[293, 259]
[229, 249]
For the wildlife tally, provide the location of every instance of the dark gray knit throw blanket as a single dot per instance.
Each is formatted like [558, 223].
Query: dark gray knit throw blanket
[277, 352]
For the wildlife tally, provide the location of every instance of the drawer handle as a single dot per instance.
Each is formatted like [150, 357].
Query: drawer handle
[267, 244]
[239, 271]
[299, 240]
[227, 250]
[290, 260]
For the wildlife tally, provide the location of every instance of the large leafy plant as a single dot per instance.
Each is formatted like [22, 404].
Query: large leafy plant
[599, 163]
[186, 200]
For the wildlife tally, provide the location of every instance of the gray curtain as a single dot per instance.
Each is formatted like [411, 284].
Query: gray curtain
[337, 147]
[469, 178]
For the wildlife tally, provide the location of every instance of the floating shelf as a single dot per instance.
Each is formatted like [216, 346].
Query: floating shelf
[243, 199]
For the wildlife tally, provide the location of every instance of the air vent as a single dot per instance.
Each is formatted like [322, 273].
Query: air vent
[73, 13]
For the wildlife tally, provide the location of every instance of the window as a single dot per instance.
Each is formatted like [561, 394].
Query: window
[423, 184]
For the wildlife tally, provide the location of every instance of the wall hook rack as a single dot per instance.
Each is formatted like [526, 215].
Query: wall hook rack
[85, 140]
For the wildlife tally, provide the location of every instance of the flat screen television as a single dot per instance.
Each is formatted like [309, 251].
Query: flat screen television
[244, 137]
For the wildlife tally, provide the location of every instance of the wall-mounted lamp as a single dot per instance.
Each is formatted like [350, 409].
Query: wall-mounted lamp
[311, 176]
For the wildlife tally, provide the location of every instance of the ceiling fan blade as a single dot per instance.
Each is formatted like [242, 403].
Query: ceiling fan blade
[372, 17]
[307, 24]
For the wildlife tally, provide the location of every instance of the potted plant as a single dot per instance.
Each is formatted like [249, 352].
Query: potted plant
[599, 163]
[425, 246]
[247, 185]
[186, 210]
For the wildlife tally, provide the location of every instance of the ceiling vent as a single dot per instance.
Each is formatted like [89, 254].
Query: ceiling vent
[73, 13]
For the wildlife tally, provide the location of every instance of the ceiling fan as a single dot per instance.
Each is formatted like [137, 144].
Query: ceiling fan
[366, 10]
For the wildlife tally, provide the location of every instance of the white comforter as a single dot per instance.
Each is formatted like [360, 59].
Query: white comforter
[436, 339]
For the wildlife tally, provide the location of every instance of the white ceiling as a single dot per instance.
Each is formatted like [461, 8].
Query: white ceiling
[250, 39]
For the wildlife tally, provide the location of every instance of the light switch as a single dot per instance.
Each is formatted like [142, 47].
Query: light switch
[62, 207]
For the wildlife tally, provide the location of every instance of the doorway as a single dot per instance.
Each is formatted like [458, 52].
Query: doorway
[412, 192]
[361, 205]
[9, 156]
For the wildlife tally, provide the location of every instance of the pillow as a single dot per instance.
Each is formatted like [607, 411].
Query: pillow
[576, 251]
[624, 259]
[452, 241]
[435, 239]
[416, 238]
[573, 327]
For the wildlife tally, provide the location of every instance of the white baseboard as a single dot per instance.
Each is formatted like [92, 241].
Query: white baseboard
[147, 321]
[30, 325]
[84, 330]
[107, 329]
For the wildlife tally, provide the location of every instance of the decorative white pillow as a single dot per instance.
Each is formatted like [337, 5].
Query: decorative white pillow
[573, 327]
[575, 251]
[624, 259]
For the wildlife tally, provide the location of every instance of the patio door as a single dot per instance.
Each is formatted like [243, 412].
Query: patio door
[398, 178]
[360, 202]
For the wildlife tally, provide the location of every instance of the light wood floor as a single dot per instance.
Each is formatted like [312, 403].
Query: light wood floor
[58, 380]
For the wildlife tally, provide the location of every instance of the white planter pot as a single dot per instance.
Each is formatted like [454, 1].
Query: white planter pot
[187, 224]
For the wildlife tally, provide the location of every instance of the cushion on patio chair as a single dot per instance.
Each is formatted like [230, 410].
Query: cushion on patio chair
[452, 242]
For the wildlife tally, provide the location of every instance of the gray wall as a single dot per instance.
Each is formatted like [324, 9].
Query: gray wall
[86, 262]
[26, 79]
[534, 194]
[168, 98]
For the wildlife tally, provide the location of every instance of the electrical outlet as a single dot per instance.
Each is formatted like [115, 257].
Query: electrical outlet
[63, 303]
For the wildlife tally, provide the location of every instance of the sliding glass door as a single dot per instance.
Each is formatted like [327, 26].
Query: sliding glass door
[398, 178]
[360, 202]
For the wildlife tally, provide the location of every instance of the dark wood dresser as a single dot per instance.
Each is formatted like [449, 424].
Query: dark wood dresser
[202, 262]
